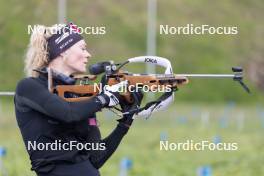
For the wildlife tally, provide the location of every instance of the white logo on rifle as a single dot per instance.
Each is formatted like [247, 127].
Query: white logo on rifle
[58, 40]
[151, 60]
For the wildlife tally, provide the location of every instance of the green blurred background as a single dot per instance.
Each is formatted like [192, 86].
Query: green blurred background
[126, 33]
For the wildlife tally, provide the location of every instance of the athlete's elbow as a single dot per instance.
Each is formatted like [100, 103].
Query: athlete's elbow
[97, 165]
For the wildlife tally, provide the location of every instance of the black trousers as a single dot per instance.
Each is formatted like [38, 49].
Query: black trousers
[84, 168]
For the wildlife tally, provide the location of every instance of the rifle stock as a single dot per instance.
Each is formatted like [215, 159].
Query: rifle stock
[84, 92]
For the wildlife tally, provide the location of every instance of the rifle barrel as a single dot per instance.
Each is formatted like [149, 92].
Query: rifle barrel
[208, 75]
[237, 75]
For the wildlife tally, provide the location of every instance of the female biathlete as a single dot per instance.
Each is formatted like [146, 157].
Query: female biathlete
[51, 127]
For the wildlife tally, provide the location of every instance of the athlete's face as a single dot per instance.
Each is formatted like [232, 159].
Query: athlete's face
[77, 57]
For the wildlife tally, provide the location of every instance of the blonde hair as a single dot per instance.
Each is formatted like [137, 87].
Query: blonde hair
[37, 52]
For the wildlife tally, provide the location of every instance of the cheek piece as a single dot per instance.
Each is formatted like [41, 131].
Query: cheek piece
[63, 39]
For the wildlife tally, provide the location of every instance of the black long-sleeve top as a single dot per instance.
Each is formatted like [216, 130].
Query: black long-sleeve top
[44, 117]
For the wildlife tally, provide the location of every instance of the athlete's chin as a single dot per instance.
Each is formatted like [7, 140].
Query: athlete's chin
[80, 70]
[83, 70]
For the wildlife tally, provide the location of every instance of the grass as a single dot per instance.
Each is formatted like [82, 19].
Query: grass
[180, 122]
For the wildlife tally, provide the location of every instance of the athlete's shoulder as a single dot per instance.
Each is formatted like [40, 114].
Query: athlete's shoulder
[28, 83]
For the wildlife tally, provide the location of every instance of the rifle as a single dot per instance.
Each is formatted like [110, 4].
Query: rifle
[113, 74]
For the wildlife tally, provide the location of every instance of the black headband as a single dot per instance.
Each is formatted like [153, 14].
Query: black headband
[62, 40]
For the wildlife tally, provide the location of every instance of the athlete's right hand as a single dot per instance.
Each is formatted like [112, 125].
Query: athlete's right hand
[110, 97]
